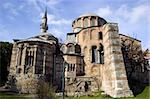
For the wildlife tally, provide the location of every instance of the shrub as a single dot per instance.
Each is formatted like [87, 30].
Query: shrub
[45, 91]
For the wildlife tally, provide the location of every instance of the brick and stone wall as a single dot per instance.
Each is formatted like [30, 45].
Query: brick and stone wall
[34, 61]
[114, 81]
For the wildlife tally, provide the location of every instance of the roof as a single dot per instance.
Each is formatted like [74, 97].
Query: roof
[45, 37]
[88, 14]
[130, 37]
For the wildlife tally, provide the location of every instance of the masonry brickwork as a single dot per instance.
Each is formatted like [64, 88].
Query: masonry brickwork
[92, 56]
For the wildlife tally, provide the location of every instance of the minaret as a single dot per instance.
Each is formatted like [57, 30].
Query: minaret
[44, 26]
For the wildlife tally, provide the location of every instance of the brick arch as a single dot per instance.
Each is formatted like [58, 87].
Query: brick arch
[93, 34]
[85, 22]
[77, 48]
[84, 34]
[63, 48]
[70, 48]
[93, 21]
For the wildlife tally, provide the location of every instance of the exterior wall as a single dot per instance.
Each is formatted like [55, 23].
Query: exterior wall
[45, 65]
[86, 39]
[135, 67]
[58, 71]
[78, 51]
[81, 85]
[115, 82]
[13, 62]
[77, 61]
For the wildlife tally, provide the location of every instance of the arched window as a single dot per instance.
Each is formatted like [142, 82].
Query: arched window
[94, 54]
[84, 34]
[93, 22]
[100, 34]
[101, 54]
[70, 49]
[77, 49]
[63, 48]
[86, 22]
[85, 50]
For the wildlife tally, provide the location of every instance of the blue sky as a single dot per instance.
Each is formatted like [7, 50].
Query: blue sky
[20, 19]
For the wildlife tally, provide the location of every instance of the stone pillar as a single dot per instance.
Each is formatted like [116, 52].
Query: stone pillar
[82, 22]
[35, 56]
[44, 60]
[14, 58]
[89, 21]
[24, 58]
[96, 21]
[115, 81]
[98, 56]
[18, 55]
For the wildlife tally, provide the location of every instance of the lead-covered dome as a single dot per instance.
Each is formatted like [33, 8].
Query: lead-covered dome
[87, 20]
[88, 14]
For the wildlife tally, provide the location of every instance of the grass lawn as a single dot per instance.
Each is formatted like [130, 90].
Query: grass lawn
[11, 96]
[144, 95]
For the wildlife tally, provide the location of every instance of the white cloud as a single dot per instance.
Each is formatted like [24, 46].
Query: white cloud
[135, 14]
[52, 20]
[132, 20]
[104, 11]
[56, 32]
[59, 22]
[59, 33]
[40, 4]
[52, 2]
[11, 8]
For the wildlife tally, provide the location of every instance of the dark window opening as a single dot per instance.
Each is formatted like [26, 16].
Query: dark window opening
[93, 54]
[100, 35]
[71, 67]
[29, 58]
[19, 70]
[39, 67]
[86, 86]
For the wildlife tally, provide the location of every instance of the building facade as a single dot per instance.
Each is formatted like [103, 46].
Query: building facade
[94, 57]
[35, 59]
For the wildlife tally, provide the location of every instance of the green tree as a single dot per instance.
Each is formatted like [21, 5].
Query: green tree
[5, 56]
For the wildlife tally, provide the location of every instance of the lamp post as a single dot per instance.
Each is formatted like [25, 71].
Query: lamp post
[63, 80]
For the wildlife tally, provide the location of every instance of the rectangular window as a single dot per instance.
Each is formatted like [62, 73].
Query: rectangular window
[94, 53]
[29, 58]
[39, 66]
[100, 35]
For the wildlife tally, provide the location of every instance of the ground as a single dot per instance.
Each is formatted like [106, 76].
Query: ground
[144, 95]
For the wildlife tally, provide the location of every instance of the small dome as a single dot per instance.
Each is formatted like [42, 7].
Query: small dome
[88, 14]
[45, 37]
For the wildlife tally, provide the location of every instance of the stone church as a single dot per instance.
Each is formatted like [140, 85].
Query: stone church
[92, 55]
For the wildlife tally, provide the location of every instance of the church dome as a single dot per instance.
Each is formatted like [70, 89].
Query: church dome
[88, 14]
[87, 20]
